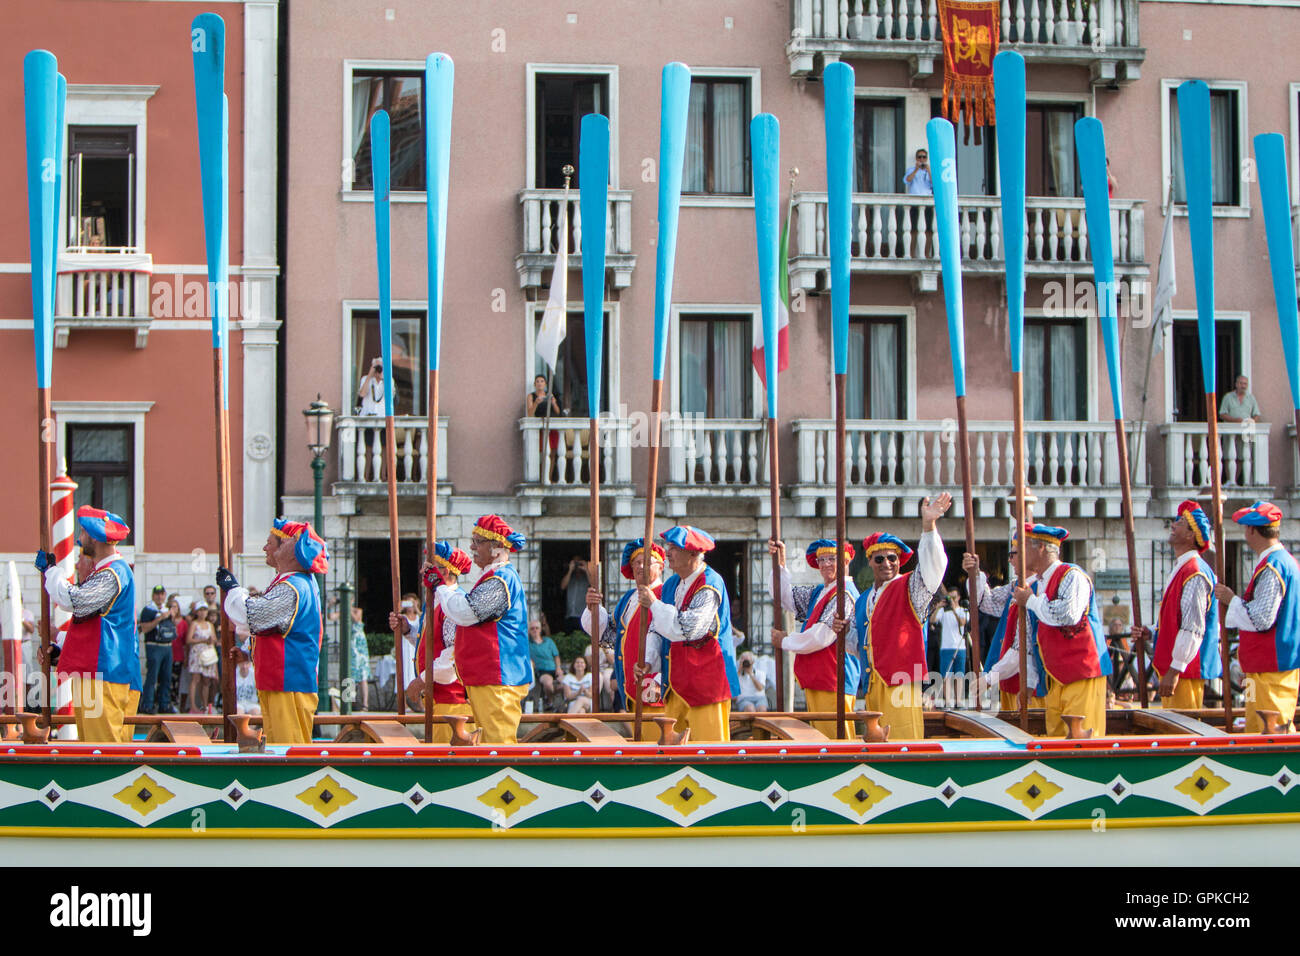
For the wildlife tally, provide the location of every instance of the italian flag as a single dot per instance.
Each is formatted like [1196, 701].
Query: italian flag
[783, 312]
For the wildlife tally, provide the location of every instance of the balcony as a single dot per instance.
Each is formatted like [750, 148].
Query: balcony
[1243, 450]
[893, 234]
[557, 467]
[715, 458]
[1073, 467]
[360, 443]
[541, 217]
[1099, 34]
[102, 289]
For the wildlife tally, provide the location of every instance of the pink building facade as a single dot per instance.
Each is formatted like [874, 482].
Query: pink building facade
[523, 79]
[132, 373]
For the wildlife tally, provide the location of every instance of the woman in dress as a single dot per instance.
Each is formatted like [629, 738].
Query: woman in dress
[360, 660]
[203, 657]
[576, 685]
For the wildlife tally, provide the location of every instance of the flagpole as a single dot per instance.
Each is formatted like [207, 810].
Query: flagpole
[440, 75]
[593, 199]
[675, 87]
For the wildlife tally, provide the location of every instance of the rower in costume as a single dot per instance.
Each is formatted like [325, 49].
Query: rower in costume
[1066, 632]
[1002, 662]
[692, 617]
[449, 697]
[286, 623]
[622, 631]
[816, 662]
[100, 650]
[1267, 618]
[890, 620]
[1187, 629]
[491, 618]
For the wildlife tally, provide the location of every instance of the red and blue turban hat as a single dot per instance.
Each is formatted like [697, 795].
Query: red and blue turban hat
[688, 538]
[103, 526]
[823, 546]
[309, 549]
[632, 549]
[493, 528]
[1262, 514]
[883, 541]
[1197, 521]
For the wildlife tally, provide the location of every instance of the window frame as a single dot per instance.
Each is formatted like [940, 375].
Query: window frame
[350, 307]
[1240, 316]
[898, 318]
[901, 153]
[531, 72]
[107, 104]
[95, 471]
[689, 310]
[908, 314]
[1293, 98]
[350, 67]
[754, 76]
[1045, 103]
[1169, 89]
[112, 413]
[1084, 331]
[532, 316]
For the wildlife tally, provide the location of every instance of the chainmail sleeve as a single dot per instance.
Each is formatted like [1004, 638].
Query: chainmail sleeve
[489, 600]
[273, 610]
[95, 594]
[690, 623]
[448, 632]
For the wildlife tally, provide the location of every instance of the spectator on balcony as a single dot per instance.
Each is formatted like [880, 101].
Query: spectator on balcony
[1239, 405]
[917, 178]
[540, 398]
[370, 393]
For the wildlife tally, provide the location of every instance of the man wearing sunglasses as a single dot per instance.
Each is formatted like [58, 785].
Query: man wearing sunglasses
[1002, 666]
[889, 620]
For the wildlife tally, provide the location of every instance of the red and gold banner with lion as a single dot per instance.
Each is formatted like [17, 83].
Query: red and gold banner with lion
[970, 41]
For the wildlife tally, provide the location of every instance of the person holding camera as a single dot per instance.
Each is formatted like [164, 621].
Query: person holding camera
[951, 619]
[370, 393]
[574, 584]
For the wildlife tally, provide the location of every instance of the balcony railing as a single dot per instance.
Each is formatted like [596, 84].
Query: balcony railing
[894, 233]
[1101, 34]
[1243, 457]
[360, 442]
[557, 460]
[103, 289]
[716, 457]
[1073, 467]
[541, 218]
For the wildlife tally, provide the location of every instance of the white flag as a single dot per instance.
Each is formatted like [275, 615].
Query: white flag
[1166, 281]
[555, 319]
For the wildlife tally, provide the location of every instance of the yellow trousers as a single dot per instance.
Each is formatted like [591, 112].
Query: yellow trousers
[1188, 695]
[1012, 702]
[709, 724]
[286, 716]
[497, 709]
[442, 732]
[1272, 690]
[1086, 697]
[900, 708]
[824, 701]
[99, 708]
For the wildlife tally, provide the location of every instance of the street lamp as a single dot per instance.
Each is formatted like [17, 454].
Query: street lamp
[319, 419]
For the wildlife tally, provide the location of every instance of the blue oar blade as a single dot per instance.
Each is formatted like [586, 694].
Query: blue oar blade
[60, 164]
[1270, 162]
[943, 158]
[593, 199]
[379, 166]
[1090, 144]
[837, 79]
[675, 94]
[439, 86]
[208, 47]
[1194, 126]
[40, 109]
[1009, 101]
[765, 135]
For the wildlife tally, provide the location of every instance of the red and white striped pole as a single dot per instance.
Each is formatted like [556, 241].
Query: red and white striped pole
[65, 538]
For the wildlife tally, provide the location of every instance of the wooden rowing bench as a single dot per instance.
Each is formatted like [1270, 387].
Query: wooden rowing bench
[179, 732]
[386, 732]
[590, 730]
[985, 725]
[788, 728]
[1172, 722]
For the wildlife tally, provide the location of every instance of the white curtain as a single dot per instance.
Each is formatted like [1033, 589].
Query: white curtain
[1036, 379]
[884, 371]
[732, 350]
[1222, 149]
[728, 138]
[1058, 131]
[367, 96]
[855, 398]
[1062, 405]
[694, 372]
[693, 171]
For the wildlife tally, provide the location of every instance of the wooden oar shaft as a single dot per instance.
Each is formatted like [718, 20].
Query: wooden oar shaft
[774, 490]
[1018, 438]
[45, 434]
[841, 534]
[1216, 517]
[593, 564]
[968, 503]
[1130, 542]
[651, 491]
[394, 561]
[431, 539]
[222, 438]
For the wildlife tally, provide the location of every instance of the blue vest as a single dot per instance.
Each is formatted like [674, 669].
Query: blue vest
[119, 641]
[302, 641]
[727, 645]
